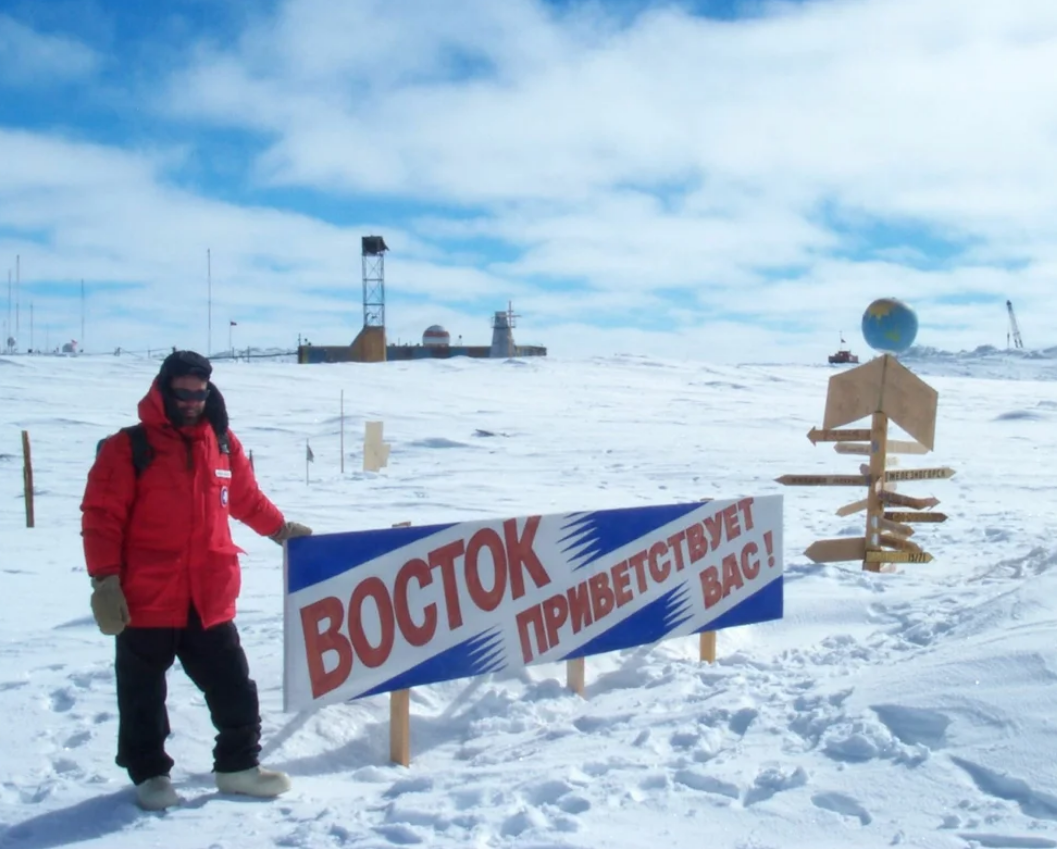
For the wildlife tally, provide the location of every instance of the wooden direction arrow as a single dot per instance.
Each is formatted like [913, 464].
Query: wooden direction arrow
[832, 435]
[883, 385]
[916, 517]
[823, 480]
[854, 507]
[833, 550]
[889, 497]
[898, 557]
[941, 473]
[893, 446]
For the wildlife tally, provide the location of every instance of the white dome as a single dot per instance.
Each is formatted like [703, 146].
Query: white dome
[436, 335]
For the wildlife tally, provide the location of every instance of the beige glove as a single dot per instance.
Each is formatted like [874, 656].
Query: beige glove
[109, 606]
[289, 530]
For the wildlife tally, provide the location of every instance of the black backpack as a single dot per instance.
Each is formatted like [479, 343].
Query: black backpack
[143, 454]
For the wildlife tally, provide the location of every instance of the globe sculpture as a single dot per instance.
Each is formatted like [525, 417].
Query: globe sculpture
[889, 326]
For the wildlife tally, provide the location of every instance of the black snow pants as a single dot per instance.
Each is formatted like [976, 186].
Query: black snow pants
[214, 660]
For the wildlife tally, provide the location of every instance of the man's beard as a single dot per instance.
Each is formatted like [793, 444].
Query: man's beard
[185, 418]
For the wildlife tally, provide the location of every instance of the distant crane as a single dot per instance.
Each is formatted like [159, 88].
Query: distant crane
[1014, 331]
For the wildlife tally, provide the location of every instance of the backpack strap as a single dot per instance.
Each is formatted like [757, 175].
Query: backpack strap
[142, 453]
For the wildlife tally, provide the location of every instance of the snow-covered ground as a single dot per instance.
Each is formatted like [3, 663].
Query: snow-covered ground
[912, 709]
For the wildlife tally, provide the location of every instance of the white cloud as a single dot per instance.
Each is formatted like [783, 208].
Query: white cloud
[679, 173]
[28, 57]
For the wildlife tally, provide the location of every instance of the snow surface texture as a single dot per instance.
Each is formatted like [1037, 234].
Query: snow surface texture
[910, 709]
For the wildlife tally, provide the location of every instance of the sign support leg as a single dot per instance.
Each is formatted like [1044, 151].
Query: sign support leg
[874, 505]
[576, 675]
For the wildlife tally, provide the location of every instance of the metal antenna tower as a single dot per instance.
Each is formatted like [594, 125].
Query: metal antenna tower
[374, 249]
[1014, 331]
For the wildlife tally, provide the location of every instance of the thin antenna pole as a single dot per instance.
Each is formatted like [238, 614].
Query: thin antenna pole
[31, 345]
[18, 293]
[82, 314]
[8, 329]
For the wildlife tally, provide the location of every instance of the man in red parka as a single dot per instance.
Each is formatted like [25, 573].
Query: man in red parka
[165, 577]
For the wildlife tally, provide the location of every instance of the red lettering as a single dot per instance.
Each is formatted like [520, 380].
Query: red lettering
[659, 569]
[745, 505]
[555, 614]
[695, 541]
[750, 568]
[444, 557]
[638, 563]
[602, 601]
[621, 583]
[731, 575]
[374, 588]
[534, 617]
[317, 644]
[416, 635]
[676, 542]
[710, 586]
[579, 607]
[487, 600]
[714, 526]
[519, 553]
[730, 522]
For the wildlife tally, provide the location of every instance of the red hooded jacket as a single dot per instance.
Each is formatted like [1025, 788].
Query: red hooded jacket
[167, 534]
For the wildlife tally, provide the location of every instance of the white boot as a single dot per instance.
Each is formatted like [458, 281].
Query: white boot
[156, 794]
[255, 781]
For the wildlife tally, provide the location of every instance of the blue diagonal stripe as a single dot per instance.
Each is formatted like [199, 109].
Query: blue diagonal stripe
[592, 536]
[320, 557]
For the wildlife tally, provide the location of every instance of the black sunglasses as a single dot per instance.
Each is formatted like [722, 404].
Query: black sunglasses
[190, 394]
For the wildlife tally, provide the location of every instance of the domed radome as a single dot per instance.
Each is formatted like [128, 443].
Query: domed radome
[436, 337]
[889, 326]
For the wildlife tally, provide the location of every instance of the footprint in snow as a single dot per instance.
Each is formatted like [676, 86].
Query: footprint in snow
[846, 806]
[61, 701]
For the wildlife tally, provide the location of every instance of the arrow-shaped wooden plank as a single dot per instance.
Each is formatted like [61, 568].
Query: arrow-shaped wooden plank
[889, 497]
[898, 557]
[892, 446]
[854, 507]
[817, 435]
[833, 550]
[916, 517]
[823, 480]
[899, 543]
[883, 385]
[942, 473]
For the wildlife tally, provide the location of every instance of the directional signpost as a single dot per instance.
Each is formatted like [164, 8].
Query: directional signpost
[886, 391]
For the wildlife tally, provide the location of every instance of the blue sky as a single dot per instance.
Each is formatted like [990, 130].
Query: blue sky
[719, 180]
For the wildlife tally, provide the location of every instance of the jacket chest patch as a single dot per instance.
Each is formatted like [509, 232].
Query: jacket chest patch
[223, 496]
[223, 473]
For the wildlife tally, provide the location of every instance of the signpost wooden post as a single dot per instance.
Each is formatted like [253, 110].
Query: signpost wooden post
[888, 392]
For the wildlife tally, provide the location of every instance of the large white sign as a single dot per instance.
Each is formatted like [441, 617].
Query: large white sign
[373, 611]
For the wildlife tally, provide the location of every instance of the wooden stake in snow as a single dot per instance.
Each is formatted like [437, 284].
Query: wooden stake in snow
[27, 478]
[375, 452]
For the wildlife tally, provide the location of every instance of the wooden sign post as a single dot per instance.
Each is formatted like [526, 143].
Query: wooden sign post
[27, 479]
[886, 391]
